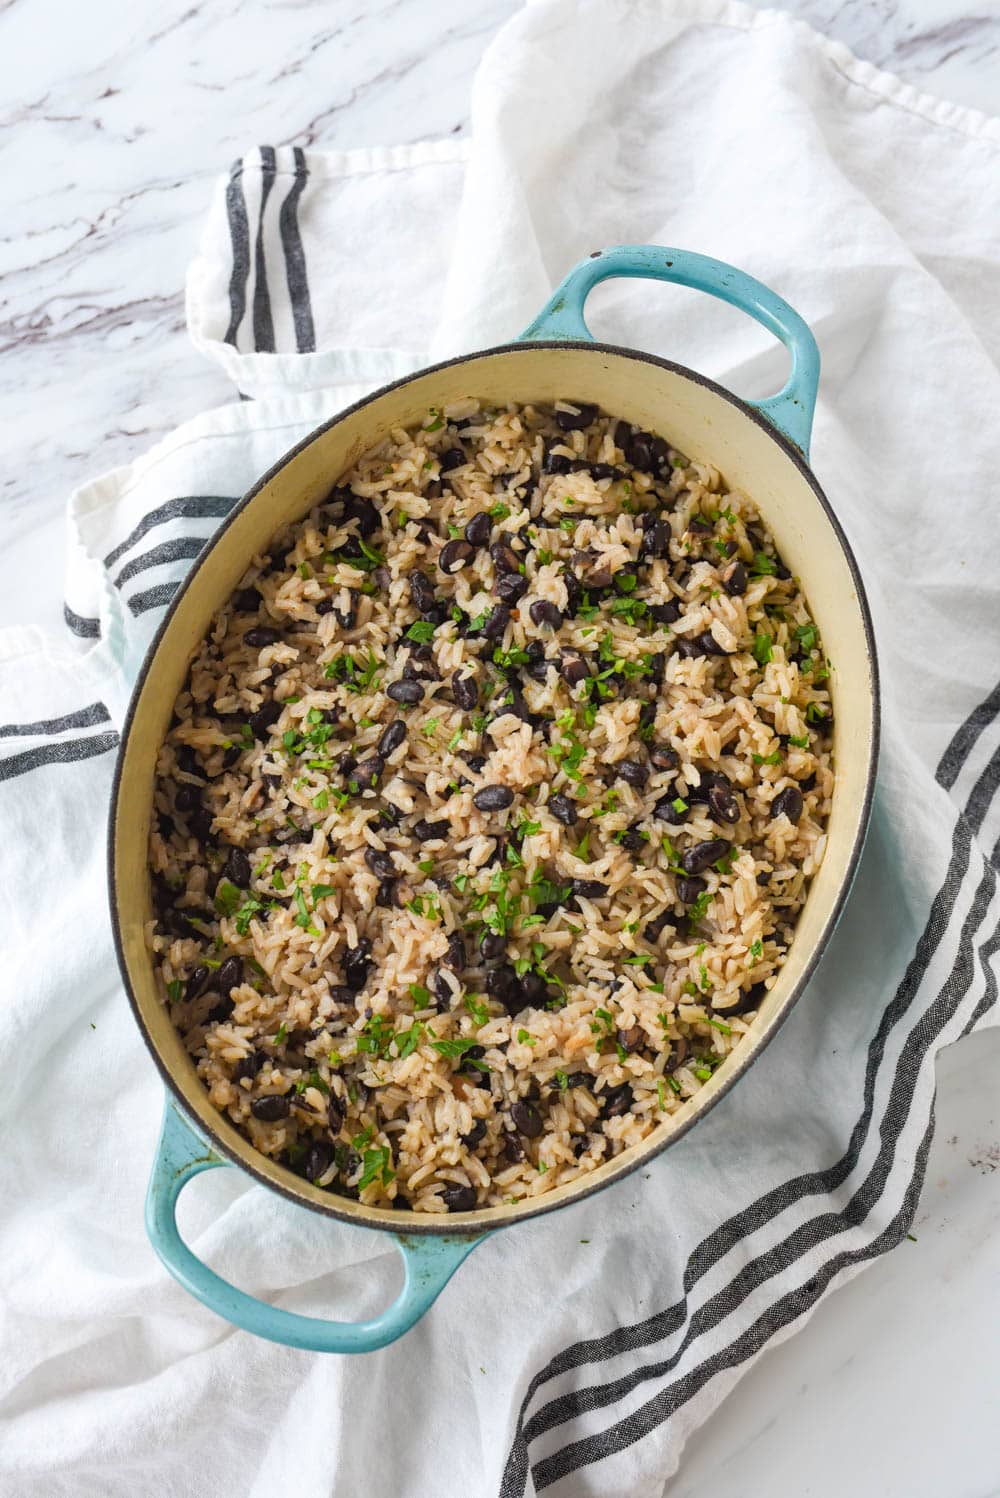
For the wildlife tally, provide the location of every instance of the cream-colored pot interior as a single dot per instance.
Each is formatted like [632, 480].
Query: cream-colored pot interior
[696, 417]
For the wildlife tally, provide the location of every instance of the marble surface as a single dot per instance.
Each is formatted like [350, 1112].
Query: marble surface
[110, 135]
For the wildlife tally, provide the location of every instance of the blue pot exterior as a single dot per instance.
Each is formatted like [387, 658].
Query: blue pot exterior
[790, 411]
[429, 1262]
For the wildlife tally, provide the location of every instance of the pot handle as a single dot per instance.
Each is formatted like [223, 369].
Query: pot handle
[429, 1262]
[790, 411]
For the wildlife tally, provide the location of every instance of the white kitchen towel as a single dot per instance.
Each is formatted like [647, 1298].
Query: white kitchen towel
[576, 1353]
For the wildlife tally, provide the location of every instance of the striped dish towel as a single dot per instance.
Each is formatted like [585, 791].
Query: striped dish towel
[576, 1353]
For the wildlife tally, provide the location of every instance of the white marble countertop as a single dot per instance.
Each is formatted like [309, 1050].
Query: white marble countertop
[111, 134]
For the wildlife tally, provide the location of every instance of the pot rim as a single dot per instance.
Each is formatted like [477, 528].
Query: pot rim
[486, 1219]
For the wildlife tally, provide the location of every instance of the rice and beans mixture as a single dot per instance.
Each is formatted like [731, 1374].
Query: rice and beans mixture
[488, 808]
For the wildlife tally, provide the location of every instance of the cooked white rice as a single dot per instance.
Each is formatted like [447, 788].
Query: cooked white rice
[321, 908]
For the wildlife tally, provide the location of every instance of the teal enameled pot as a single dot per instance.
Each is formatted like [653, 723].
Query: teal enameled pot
[762, 449]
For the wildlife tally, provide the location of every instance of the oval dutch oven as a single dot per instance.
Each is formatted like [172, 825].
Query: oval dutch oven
[761, 448]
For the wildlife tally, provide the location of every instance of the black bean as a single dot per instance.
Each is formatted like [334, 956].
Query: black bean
[654, 929]
[573, 668]
[539, 670]
[370, 772]
[666, 811]
[465, 691]
[526, 1119]
[656, 541]
[475, 1134]
[187, 799]
[699, 525]
[750, 998]
[231, 755]
[266, 715]
[788, 803]
[317, 1159]
[405, 691]
[391, 738]
[734, 579]
[590, 889]
[521, 710]
[385, 895]
[570, 421]
[200, 822]
[454, 556]
[459, 1198]
[475, 762]
[341, 995]
[662, 757]
[533, 989]
[513, 1148]
[237, 868]
[196, 984]
[631, 839]
[248, 1067]
[544, 612]
[346, 763]
[247, 601]
[493, 798]
[616, 1101]
[690, 647]
[497, 623]
[633, 773]
[696, 859]
[455, 956]
[563, 810]
[442, 989]
[380, 863]
[605, 471]
[363, 511]
[665, 613]
[270, 1109]
[356, 965]
[422, 591]
[688, 890]
[556, 463]
[230, 976]
[189, 762]
[503, 557]
[641, 454]
[501, 984]
[631, 1039]
[809, 783]
[424, 831]
[723, 804]
[426, 670]
[661, 452]
[698, 794]
[479, 529]
[260, 636]
[510, 587]
[599, 577]
[335, 1113]
[493, 946]
[453, 458]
